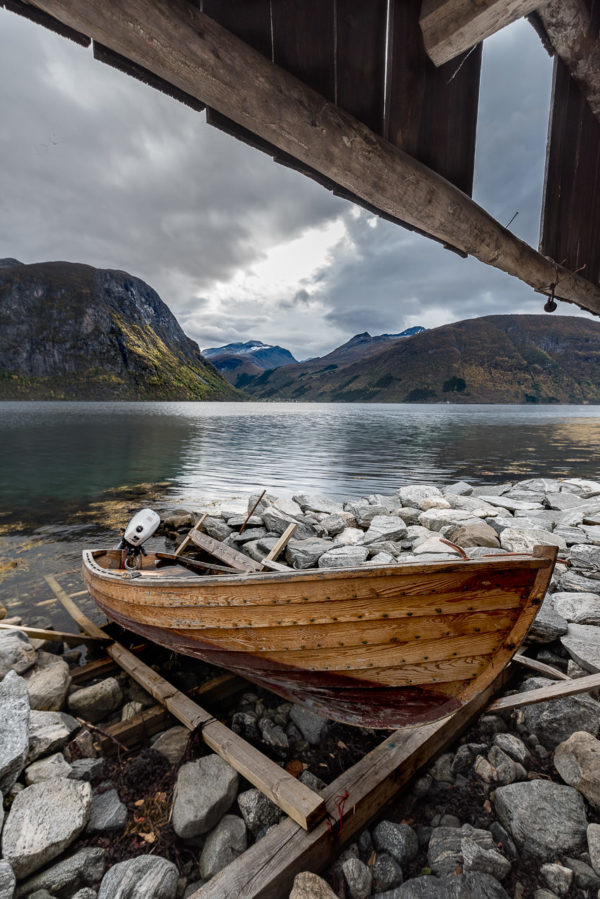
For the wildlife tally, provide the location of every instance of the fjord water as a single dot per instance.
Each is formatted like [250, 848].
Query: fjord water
[70, 472]
[54, 455]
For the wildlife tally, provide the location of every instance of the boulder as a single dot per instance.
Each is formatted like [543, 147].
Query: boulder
[475, 885]
[445, 854]
[205, 790]
[108, 813]
[43, 820]
[223, 844]
[143, 877]
[509, 503]
[14, 733]
[553, 722]
[542, 817]
[216, 528]
[47, 768]
[436, 519]
[385, 527]
[459, 488]
[398, 840]
[7, 881]
[358, 877]
[276, 522]
[97, 701]
[258, 810]
[49, 732]
[306, 553]
[479, 534]
[344, 557]
[412, 493]
[513, 746]
[483, 860]
[313, 727]
[547, 625]
[86, 769]
[333, 524]
[593, 839]
[317, 503]
[386, 872]
[558, 878]
[349, 537]
[434, 545]
[573, 582]
[172, 743]
[582, 642]
[577, 760]
[48, 682]
[62, 879]
[523, 540]
[16, 652]
[310, 886]
[578, 608]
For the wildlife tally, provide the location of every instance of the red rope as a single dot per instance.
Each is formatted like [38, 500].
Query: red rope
[336, 827]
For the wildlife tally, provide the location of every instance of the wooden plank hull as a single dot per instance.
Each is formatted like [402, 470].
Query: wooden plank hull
[377, 647]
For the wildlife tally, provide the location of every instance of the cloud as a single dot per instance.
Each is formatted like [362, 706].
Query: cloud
[101, 169]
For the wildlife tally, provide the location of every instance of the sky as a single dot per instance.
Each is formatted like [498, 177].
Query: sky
[101, 169]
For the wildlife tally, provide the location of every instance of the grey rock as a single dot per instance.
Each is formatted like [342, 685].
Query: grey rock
[582, 642]
[558, 877]
[7, 880]
[85, 893]
[276, 522]
[459, 488]
[333, 524]
[475, 885]
[578, 608]
[250, 534]
[409, 516]
[444, 854]
[441, 770]
[313, 727]
[512, 505]
[398, 840]
[130, 710]
[436, 519]
[311, 780]
[426, 887]
[344, 557]
[412, 493]
[554, 722]
[573, 582]
[585, 876]
[49, 732]
[523, 540]
[317, 503]
[485, 861]
[257, 810]
[86, 769]
[108, 813]
[81, 746]
[514, 747]
[577, 760]
[16, 652]
[144, 877]
[382, 559]
[62, 879]
[288, 506]
[48, 682]
[216, 528]
[306, 553]
[358, 877]
[547, 625]
[543, 818]
[47, 768]
[43, 820]
[502, 840]
[364, 514]
[273, 735]
[178, 520]
[205, 790]
[385, 527]
[480, 534]
[563, 501]
[97, 701]
[593, 840]
[569, 535]
[172, 743]
[585, 556]
[14, 733]
[386, 872]
[245, 724]
[236, 521]
[350, 537]
[505, 767]
[223, 844]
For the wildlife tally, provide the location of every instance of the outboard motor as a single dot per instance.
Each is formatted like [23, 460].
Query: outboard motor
[141, 527]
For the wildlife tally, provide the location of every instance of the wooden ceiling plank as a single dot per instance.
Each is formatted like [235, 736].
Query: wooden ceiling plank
[360, 59]
[571, 30]
[249, 20]
[191, 51]
[304, 41]
[450, 27]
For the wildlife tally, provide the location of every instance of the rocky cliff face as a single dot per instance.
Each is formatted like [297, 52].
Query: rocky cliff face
[70, 331]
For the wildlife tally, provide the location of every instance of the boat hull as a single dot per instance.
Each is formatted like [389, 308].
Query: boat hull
[375, 647]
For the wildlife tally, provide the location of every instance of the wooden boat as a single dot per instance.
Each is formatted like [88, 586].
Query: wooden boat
[374, 646]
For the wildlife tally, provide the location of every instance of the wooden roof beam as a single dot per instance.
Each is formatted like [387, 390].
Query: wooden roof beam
[569, 26]
[452, 26]
[178, 43]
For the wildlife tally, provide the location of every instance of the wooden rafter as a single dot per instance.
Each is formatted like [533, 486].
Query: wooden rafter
[183, 46]
[452, 26]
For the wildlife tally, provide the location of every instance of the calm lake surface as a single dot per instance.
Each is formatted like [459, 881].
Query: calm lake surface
[65, 466]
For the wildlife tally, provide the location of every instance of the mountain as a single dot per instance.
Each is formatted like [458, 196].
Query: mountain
[70, 331]
[493, 359]
[239, 362]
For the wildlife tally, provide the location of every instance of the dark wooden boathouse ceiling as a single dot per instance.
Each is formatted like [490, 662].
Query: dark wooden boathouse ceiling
[377, 101]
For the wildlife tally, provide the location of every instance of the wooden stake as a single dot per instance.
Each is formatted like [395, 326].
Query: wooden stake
[188, 49]
[548, 670]
[280, 545]
[184, 543]
[292, 796]
[249, 515]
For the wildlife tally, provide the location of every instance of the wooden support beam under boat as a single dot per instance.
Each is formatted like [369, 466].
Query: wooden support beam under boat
[268, 868]
[188, 49]
[572, 34]
[546, 694]
[38, 633]
[452, 26]
[291, 795]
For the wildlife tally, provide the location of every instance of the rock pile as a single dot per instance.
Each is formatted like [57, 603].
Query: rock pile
[512, 810]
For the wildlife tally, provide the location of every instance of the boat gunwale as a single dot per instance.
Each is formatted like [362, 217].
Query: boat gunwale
[538, 558]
